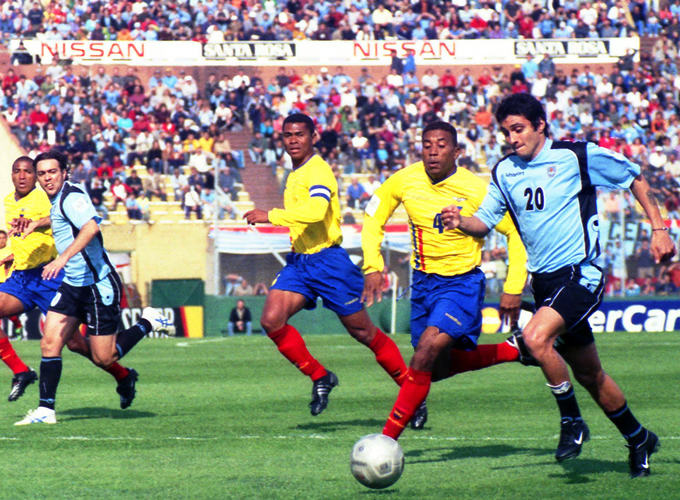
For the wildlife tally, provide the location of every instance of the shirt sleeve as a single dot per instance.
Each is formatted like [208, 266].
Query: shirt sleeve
[321, 188]
[493, 207]
[379, 209]
[610, 169]
[517, 257]
[79, 209]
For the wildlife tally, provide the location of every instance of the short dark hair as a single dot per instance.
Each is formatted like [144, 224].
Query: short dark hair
[300, 118]
[24, 159]
[446, 127]
[52, 154]
[524, 105]
[2, 231]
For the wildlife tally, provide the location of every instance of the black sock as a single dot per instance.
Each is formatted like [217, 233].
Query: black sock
[628, 425]
[127, 339]
[50, 373]
[566, 401]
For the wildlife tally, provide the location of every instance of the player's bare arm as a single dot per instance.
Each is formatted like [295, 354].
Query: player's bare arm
[256, 216]
[86, 234]
[662, 245]
[509, 306]
[452, 219]
[372, 288]
[28, 226]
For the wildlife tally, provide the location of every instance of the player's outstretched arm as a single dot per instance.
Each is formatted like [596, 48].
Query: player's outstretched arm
[662, 246]
[372, 288]
[89, 230]
[452, 219]
[36, 224]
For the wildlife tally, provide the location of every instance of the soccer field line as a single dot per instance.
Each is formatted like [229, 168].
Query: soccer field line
[197, 342]
[307, 436]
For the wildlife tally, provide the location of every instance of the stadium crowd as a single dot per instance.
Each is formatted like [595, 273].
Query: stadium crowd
[219, 20]
[108, 120]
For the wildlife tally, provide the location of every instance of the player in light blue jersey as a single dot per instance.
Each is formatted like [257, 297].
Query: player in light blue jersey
[548, 187]
[90, 291]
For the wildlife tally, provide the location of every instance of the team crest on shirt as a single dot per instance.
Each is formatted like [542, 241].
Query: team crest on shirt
[552, 170]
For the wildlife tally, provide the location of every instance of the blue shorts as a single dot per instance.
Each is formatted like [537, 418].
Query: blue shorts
[31, 290]
[453, 304]
[329, 274]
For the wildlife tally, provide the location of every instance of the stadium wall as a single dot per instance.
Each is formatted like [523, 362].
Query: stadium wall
[162, 251]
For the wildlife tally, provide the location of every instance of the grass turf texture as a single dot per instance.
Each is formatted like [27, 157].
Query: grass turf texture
[228, 418]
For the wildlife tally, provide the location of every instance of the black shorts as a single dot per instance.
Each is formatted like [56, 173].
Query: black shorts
[97, 305]
[565, 292]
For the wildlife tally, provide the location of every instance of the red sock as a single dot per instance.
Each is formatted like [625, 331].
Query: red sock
[412, 393]
[118, 371]
[484, 356]
[388, 356]
[10, 358]
[290, 344]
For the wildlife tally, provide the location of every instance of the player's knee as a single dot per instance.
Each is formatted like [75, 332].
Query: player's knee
[536, 340]
[102, 361]
[271, 322]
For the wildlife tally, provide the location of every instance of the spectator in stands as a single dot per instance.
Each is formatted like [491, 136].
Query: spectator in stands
[154, 185]
[240, 319]
[134, 182]
[256, 147]
[644, 260]
[119, 192]
[179, 185]
[134, 209]
[227, 182]
[192, 202]
[243, 288]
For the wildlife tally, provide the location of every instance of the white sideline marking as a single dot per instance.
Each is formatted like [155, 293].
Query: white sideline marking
[310, 436]
[204, 341]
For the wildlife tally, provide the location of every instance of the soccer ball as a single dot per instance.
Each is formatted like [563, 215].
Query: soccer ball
[377, 461]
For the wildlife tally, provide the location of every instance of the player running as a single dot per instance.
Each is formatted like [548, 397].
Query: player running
[448, 286]
[90, 290]
[548, 187]
[25, 288]
[317, 266]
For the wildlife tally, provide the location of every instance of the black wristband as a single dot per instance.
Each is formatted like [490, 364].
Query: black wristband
[660, 229]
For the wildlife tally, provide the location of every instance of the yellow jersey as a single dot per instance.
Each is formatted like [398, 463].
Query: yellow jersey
[38, 247]
[312, 207]
[5, 272]
[436, 249]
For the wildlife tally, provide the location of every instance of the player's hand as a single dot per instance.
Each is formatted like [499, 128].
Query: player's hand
[29, 229]
[451, 217]
[256, 216]
[51, 270]
[18, 225]
[372, 288]
[663, 248]
[509, 307]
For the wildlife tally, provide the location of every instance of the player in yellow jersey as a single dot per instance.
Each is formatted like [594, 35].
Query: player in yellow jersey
[448, 286]
[317, 266]
[27, 209]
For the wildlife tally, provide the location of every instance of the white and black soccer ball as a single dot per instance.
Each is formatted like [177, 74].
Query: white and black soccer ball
[377, 461]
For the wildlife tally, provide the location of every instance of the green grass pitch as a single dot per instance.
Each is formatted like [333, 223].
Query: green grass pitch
[228, 419]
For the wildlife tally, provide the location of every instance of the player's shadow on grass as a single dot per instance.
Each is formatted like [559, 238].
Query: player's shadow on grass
[578, 471]
[464, 452]
[340, 425]
[90, 413]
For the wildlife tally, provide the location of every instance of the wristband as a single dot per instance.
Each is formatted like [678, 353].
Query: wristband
[660, 229]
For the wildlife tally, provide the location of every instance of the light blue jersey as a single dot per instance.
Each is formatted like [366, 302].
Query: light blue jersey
[71, 210]
[552, 200]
